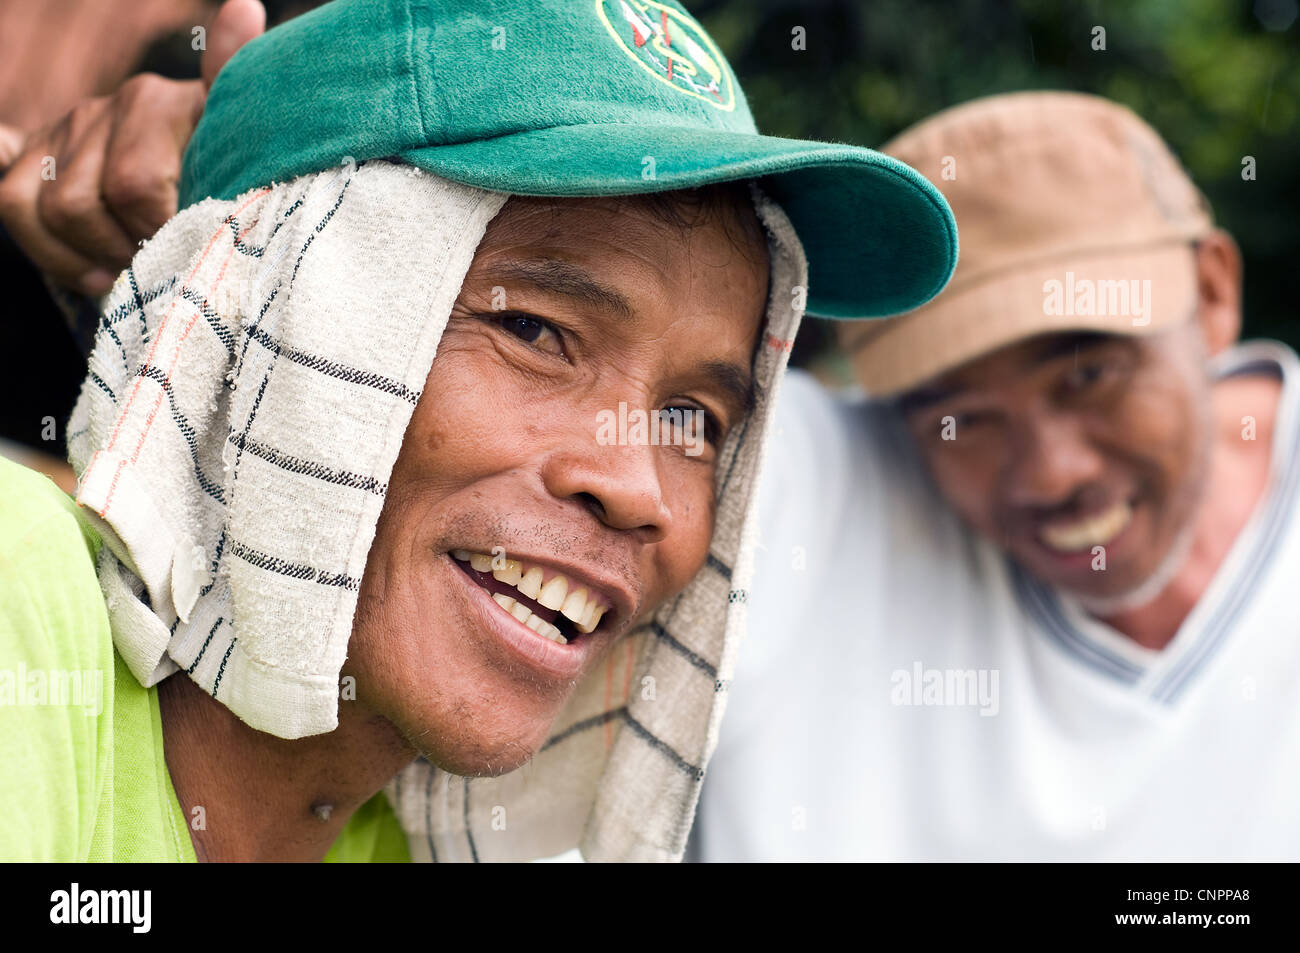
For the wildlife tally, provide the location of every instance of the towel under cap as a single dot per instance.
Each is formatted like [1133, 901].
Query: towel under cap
[252, 378]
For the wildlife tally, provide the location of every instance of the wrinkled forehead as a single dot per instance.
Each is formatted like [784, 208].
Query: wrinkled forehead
[657, 216]
[695, 254]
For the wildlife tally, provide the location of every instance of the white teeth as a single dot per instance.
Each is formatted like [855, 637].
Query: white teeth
[588, 624]
[1090, 531]
[552, 594]
[575, 604]
[528, 618]
[542, 627]
[510, 573]
[578, 605]
[531, 583]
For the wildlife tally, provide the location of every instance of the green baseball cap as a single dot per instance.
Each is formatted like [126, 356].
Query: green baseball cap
[561, 98]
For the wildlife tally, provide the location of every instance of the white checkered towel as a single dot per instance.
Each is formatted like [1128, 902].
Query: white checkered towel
[252, 378]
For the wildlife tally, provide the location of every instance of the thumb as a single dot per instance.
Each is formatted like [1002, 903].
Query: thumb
[237, 22]
[11, 145]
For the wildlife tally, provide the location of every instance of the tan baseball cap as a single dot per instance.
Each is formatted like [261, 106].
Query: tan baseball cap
[1073, 215]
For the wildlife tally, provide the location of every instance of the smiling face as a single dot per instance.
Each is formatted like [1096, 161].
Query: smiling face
[1065, 442]
[569, 308]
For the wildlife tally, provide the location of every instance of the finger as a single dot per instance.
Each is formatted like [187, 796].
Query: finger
[71, 206]
[153, 119]
[237, 22]
[11, 145]
[19, 193]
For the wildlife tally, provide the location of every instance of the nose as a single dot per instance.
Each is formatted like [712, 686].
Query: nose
[1050, 461]
[620, 485]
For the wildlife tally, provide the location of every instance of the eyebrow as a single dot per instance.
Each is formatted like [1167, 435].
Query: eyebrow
[566, 279]
[1056, 345]
[1051, 346]
[923, 397]
[736, 382]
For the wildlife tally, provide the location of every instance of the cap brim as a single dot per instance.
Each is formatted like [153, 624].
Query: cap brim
[969, 322]
[879, 237]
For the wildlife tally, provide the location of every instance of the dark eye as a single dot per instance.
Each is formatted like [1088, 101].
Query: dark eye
[694, 422]
[521, 326]
[1085, 375]
[532, 330]
[970, 419]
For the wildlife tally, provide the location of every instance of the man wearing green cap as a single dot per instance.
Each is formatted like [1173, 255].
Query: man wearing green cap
[332, 564]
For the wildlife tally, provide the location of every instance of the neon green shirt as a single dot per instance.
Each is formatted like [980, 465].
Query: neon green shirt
[82, 772]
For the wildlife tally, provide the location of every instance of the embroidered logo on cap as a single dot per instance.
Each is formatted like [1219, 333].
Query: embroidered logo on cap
[671, 47]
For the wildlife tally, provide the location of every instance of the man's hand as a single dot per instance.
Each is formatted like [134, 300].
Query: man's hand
[79, 195]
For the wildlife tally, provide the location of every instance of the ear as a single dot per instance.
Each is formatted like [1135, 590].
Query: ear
[1218, 280]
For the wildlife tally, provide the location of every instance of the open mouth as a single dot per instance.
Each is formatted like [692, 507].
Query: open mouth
[1096, 529]
[544, 600]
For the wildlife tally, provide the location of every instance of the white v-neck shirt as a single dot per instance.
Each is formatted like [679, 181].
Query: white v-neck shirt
[905, 693]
